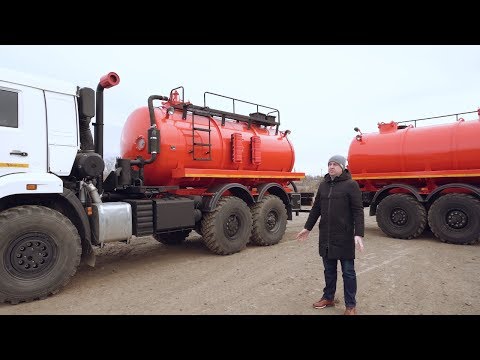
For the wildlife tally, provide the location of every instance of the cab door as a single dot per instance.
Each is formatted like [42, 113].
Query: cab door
[23, 138]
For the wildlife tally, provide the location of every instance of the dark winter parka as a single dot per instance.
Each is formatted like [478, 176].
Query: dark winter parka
[339, 205]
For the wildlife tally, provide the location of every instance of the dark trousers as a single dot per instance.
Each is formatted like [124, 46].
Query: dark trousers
[349, 280]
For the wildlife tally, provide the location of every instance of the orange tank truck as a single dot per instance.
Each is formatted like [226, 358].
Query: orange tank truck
[224, 174]
[227, 174]
[413, 177]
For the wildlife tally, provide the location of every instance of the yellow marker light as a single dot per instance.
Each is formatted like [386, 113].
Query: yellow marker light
[31, 186]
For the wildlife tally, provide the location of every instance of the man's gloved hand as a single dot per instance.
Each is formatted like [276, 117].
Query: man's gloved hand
[359, 242]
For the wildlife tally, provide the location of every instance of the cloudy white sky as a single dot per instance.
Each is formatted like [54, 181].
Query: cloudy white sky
[322, 92]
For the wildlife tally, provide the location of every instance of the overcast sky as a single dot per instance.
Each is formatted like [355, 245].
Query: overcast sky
[322, 92]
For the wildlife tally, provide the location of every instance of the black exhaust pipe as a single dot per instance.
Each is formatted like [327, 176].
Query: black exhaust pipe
[107, 81]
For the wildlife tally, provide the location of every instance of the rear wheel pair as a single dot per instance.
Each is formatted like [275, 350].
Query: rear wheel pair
[452, 218]
[232, 224]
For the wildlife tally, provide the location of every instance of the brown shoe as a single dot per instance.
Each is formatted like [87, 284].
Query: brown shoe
[350, 311]
[320, 304]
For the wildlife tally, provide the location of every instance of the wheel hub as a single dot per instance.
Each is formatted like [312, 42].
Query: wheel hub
[232, 225]
[457, 219]
[399, 217]
[271, 220]
[30, 255]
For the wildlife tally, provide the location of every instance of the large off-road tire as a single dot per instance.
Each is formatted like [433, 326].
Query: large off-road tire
[401, 216]
[40, 251]
[226, 230]
[269, 221]
[173, 238]
[455, 218]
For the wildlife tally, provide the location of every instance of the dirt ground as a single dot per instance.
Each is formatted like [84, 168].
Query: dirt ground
[421, 276]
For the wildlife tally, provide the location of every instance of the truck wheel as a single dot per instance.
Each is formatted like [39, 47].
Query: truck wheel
[227, 229]
[40, 251]
[453, 218]
[269, 221]
[401, 216]
[174, 238]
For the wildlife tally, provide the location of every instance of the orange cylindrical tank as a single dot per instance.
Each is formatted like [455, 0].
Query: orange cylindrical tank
[234, 146]
[409, 152]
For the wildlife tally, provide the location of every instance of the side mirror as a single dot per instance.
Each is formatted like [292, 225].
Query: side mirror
[86, 103]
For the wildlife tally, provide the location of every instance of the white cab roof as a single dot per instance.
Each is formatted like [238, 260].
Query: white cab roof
[39, 82]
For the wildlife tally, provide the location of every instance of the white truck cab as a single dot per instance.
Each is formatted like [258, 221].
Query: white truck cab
[49, 171]
[38, 133]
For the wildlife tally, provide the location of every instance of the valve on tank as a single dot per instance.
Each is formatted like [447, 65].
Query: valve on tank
[359, 136]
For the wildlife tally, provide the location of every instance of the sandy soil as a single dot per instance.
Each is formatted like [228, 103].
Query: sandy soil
[421, 276]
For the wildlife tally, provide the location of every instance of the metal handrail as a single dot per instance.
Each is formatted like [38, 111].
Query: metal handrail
[437, 117]
[258, 106]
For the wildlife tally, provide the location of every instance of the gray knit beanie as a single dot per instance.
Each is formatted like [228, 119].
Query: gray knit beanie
[339, 159]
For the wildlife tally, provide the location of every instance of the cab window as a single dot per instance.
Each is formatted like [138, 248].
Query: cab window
[8, 108]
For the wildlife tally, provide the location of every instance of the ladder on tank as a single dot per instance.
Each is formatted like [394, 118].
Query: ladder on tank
[201, 144]
[185, 108]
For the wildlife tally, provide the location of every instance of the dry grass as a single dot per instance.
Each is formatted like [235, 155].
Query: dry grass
[309, 183]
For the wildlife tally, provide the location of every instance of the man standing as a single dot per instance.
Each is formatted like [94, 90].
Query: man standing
[338, 203]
